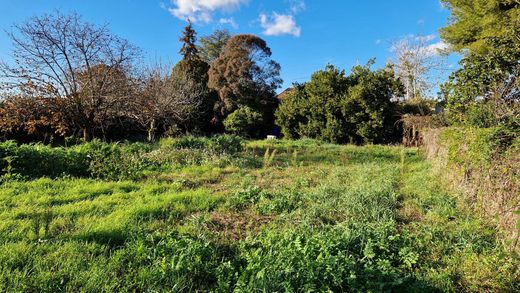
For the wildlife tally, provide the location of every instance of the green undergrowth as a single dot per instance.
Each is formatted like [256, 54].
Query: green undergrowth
[460, 247]
[483, 165]
[204, 215]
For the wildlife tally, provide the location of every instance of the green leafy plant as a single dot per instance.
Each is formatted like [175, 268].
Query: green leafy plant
[242, 199]
[114, 162]
[226, 144]
[244, 121]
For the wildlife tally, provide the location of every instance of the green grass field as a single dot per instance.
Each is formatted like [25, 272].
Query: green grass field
[275, 216]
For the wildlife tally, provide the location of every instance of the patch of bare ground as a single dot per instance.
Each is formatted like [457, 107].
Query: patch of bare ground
[408, 213]
[274, 177]
[233, 226]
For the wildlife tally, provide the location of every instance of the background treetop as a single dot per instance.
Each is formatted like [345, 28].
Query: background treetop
[212, 45]
[188, 39]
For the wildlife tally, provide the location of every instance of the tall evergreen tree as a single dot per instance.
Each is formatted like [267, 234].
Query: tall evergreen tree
[189, 50]
[245, 75]
[195, 69]
[191, 63]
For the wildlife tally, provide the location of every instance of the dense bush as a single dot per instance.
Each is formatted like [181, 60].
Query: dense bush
[417, 106]
[115, 161]
[227, 144]
[219, 144]
[187, 142]
[339, 108]
[244, 122]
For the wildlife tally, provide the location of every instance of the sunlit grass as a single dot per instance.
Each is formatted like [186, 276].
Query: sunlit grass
[316, 217]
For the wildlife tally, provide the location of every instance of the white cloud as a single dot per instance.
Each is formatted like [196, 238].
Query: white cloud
[426, 38]
[436, 48]
[297, 6]
[427, 45]
[279, 24]
[201, 10]
[229, 21]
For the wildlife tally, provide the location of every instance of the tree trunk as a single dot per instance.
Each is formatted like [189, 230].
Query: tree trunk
[151, 131]
[86, 134]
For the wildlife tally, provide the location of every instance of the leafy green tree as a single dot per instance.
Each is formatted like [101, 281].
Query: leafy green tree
[325, 92]
[367, 107]
[475, 22]
[490, 78]
[339, 108]
[487, 33]
[292, 112]
[211, 46]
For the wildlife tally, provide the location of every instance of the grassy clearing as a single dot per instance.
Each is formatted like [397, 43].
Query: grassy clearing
[274, 216]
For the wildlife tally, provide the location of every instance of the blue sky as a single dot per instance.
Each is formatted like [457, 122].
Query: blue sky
[304, 35]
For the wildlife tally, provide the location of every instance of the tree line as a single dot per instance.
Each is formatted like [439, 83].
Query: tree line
[72, 78]
[382, 105]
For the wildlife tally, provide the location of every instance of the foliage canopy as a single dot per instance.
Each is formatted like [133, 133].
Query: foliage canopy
[339, 108]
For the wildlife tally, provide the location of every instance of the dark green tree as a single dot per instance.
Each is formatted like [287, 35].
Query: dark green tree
[292, 112]
[325, 119]
[188, 39]
[338, 108]
[474, 23]
[194, 68]
[191, 63]
[368, 107]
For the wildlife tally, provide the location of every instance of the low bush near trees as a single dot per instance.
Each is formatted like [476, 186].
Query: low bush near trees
[113, 161]
[244, 121]
[37, 160]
